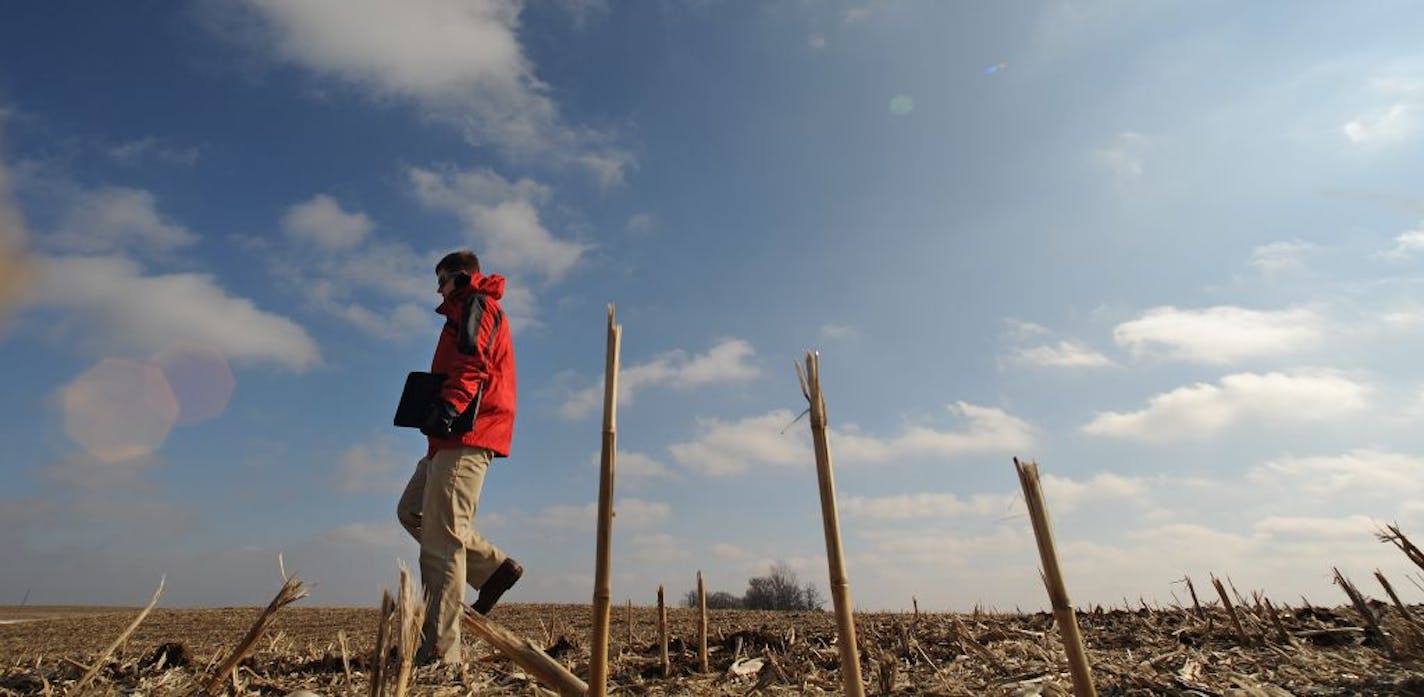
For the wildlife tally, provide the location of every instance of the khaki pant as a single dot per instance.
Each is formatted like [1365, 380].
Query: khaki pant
[438, 510]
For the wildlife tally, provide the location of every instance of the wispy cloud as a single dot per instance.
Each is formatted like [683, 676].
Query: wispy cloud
[1064, 354]
[1126, 156]
[1363, 472]
[151, 149]
[1388, 125]
[729, 361]
[724, 448]
[1285, 255]
[632, 514]
[373, 467]
[1220, 335]
[461, 61]
[1202, 410]
[1407, 244]
[111, 219]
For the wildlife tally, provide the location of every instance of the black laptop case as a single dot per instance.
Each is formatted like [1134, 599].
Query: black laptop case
[421, 392]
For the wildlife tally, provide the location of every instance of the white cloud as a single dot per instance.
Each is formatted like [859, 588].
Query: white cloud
[115, 218]
[501, 217]
[1126, 155]
[837, 331]
[635, 464]
[1222, 334]
[724, 448]
[1406, 244]
[728, 448]
[322, 222]
[727, 550]
[1363, 472]
[114, 307]
[134, 152]
[627, 514]
[1064, 354]
[1202, 410]
[1284, 255]
[1355, 527]
[726, 362]
[990, 430]
[641, 223]
[1064, 495]
[925, 505]
[816, 41]
[460, 60]
[1393, 124]
[659, 547]
[373, 467]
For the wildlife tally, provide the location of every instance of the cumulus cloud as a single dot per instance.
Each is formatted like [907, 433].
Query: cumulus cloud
[724, 448]
[1220, 335]
[1064, 354]
[501, 217]
[733, 447]
[115, 218]
[321, 221]
[1202, 410]
[989, 430]
[113, 306]
[459, 60]
[1362, 472]
[726, 362]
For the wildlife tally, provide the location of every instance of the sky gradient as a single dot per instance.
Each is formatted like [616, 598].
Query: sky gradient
[1171, 251]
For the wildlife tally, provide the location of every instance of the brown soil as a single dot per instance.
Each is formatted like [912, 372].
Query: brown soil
[1143, 652]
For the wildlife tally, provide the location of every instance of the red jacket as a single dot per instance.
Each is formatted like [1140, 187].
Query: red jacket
[476, 356]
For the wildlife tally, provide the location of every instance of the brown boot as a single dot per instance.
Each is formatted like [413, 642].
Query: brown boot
[500, 581]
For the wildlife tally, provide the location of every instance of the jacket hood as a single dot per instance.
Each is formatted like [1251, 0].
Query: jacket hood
[491, 285]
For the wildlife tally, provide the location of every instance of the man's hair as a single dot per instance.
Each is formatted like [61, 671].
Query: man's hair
[463, 260]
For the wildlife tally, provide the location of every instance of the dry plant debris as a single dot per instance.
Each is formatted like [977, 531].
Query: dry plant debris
[1144, 651]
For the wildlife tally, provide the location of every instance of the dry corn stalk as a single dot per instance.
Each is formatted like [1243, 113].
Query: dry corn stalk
[1393, 535]
[290, 592]
[526, 655]
[378, 659]
[94, 670]
[1230, 611]
[701, 624]
[1363, 608]
[410, 614]
[603, 561]
[662, 634]
[1403, 612]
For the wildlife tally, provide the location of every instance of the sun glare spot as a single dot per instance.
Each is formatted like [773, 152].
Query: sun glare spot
[119, 409]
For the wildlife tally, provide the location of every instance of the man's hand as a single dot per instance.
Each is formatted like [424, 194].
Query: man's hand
[437, 424]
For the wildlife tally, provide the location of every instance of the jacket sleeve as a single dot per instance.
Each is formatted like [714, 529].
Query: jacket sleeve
[478, 323]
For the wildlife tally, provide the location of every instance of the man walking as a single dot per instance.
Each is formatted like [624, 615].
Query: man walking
[476, 356]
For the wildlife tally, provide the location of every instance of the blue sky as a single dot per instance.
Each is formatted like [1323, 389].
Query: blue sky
[1169, 250]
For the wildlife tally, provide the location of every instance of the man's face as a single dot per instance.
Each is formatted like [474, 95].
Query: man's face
[445, 281]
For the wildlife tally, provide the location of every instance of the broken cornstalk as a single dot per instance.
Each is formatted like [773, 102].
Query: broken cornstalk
[602, 588]
[1053, 578]
[291, 591]
[835, 558]
[526, 655]
[701, 624]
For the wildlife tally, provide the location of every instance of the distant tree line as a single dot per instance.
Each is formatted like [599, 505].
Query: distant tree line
[780, 589]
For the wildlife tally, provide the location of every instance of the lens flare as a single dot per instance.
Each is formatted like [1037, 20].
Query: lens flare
[119, 409]
[200, 378]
